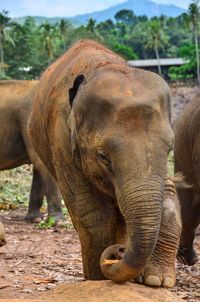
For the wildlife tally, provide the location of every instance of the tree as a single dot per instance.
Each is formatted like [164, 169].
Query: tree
[48, 33]
[5, 24]
[156, 38]
[90, 26]
[126, 52]
[194, 14]
[188, 70]
[126, 16]
[63, 28]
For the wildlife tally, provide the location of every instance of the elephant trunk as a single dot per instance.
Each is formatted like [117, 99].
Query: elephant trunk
[141, 207]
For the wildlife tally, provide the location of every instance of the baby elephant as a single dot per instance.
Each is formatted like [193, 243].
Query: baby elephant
[187, 161]
[2, 238]
[102, 128]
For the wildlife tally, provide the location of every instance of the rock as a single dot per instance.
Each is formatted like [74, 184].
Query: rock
[108, 291]
[104, 291]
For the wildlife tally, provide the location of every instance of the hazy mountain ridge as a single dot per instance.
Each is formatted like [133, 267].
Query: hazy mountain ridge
[144, 7]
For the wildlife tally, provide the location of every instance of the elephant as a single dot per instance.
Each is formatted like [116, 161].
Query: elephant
[186, 161]
[102, 129]
[2, 235]
[16, 147]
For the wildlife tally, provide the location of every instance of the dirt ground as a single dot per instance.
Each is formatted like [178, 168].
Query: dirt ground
[36, 260]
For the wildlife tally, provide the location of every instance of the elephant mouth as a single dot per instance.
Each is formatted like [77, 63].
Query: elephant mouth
[112, 254]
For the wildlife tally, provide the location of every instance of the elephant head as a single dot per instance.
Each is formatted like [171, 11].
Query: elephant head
[120, 138]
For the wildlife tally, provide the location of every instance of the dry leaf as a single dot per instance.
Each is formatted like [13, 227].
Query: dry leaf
[43, 280]
[108, 262]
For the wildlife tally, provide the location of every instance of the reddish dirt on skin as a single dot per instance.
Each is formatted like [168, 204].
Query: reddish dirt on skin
[37, 260]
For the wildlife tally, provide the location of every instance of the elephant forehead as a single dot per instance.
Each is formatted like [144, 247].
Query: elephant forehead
[122, 91]
[126, 104]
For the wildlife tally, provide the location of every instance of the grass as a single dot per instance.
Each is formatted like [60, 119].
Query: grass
[46, 224]
[15, 187]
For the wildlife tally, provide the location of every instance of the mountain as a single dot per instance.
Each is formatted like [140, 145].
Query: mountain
[40, 20]
[139, 7]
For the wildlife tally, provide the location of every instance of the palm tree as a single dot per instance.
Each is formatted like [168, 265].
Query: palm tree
[156, 38]
[91, 27]
[49, 32]
[63, 27]
[5, 24]
[194, 14]
[91, 24]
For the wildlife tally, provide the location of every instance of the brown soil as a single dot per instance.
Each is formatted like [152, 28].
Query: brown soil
[37, 260]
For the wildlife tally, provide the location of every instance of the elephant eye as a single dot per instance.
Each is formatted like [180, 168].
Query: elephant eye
[103, 157]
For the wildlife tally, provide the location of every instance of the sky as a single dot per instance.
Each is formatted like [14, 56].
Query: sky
[66, 8]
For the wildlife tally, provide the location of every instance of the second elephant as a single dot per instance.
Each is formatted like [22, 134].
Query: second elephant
[16, 147]
[187, 161]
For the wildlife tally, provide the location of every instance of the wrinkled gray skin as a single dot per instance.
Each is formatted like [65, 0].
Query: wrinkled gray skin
[102, 129]
[16, 147]
[187, 161]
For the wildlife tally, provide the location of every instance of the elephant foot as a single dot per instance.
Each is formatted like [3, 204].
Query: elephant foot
[57, 219]
[187, 255]
[158, 275]
[35, 217]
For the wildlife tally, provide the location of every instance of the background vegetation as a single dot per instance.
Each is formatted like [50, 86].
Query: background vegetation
[27, 49]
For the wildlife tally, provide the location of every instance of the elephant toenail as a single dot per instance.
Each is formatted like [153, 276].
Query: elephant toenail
[152, 280]
[168, 282]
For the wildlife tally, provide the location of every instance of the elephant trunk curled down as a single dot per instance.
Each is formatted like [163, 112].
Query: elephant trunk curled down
[139, 190]
[140, 242]
[102, 129]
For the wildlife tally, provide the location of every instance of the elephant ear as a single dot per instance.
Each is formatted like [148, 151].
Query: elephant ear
[79, 80]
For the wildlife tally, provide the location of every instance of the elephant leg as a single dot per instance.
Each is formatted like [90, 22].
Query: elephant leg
[95, 221]
[36, 198]
[47, 183]
[190, 213]
[160, 270]
[53, 197]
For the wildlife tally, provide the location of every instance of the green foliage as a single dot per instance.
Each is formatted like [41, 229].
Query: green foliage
[188, 70]
[126, 17]
[193, 12]
[125, 51]
[47, 224]
[14, 187]
[5, 24]
[30, 46]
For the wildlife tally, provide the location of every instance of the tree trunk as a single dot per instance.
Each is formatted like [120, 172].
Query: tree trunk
[158, 60]
[2, 56]
[197, 53]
